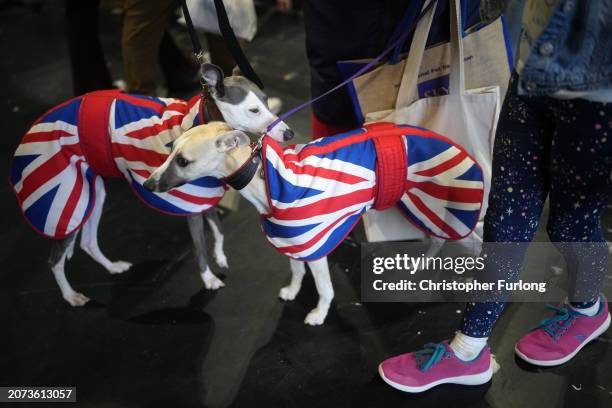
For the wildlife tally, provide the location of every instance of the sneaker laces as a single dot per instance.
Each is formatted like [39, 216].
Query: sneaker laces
[430, 355]
[555, 326]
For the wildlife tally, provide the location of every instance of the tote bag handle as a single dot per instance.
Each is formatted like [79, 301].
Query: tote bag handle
[409, 19]
[457, 65]
[408, 91]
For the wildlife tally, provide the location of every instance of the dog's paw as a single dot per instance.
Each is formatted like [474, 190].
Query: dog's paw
[287, 293]
[76, 299]
[119, 267]
[316, 317]
[221, 259]
[211, 282]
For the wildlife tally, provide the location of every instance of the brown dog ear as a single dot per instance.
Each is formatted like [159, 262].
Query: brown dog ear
[213, 77]
[236, 71]
[231, 140]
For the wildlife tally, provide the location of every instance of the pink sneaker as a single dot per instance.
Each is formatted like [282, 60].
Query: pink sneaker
[559, 338]
[434, 365]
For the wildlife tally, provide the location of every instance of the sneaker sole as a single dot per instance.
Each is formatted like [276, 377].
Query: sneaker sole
[473, 379]
[549, 363]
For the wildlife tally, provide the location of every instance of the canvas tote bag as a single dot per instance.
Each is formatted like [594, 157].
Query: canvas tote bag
[468, 117]
[488, 62]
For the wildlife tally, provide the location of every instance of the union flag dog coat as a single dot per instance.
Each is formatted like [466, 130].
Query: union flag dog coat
[318, 191]
[103, 134]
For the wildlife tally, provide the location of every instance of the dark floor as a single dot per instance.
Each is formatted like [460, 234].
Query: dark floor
[154, 338]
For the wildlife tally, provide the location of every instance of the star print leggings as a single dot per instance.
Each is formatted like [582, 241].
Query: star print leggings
[560, 149]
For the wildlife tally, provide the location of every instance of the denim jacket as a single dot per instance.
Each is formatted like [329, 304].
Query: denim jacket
[574, 52]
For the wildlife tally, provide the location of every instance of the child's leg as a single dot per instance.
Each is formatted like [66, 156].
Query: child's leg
[519, 188]
[580, 189]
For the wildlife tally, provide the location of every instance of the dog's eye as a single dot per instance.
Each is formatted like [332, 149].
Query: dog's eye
[181, 161]
[254, 110]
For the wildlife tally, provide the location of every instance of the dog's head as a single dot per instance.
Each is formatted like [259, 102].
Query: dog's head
[243, 105]
[201, 151]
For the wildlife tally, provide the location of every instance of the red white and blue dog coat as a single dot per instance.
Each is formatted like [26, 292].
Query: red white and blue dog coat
[103, 134]
[318, 191]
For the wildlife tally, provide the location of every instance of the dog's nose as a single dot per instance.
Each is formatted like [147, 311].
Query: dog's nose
[288, 134]
[150, 184]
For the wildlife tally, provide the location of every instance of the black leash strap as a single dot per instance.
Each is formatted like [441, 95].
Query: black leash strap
[230, 41]
[233, 46]
[195, 41]
[243, 176]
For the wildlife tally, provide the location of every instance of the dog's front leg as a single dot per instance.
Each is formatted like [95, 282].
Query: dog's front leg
[215, 225]
[89, 235]
[60, 251]
[320, 273]
[196, 229]
[298, 269]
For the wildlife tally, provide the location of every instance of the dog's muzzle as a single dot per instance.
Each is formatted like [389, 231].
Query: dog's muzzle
[288, 134]
[150, 184]
[159, 186]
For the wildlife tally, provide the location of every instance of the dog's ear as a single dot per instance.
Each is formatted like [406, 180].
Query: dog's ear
[231, 140]
[236, 71]
[213, 77]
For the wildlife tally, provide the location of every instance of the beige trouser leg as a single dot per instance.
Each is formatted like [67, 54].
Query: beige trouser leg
[144, 24]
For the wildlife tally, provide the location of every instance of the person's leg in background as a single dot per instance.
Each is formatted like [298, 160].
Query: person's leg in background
[147, 44]
[219, 54]
[89, 71]
[144, 25]
[180, 71]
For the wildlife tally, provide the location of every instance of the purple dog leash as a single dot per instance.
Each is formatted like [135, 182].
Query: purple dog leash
[362, 70]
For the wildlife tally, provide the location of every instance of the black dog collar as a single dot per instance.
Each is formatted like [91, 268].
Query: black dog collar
[245, 173]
